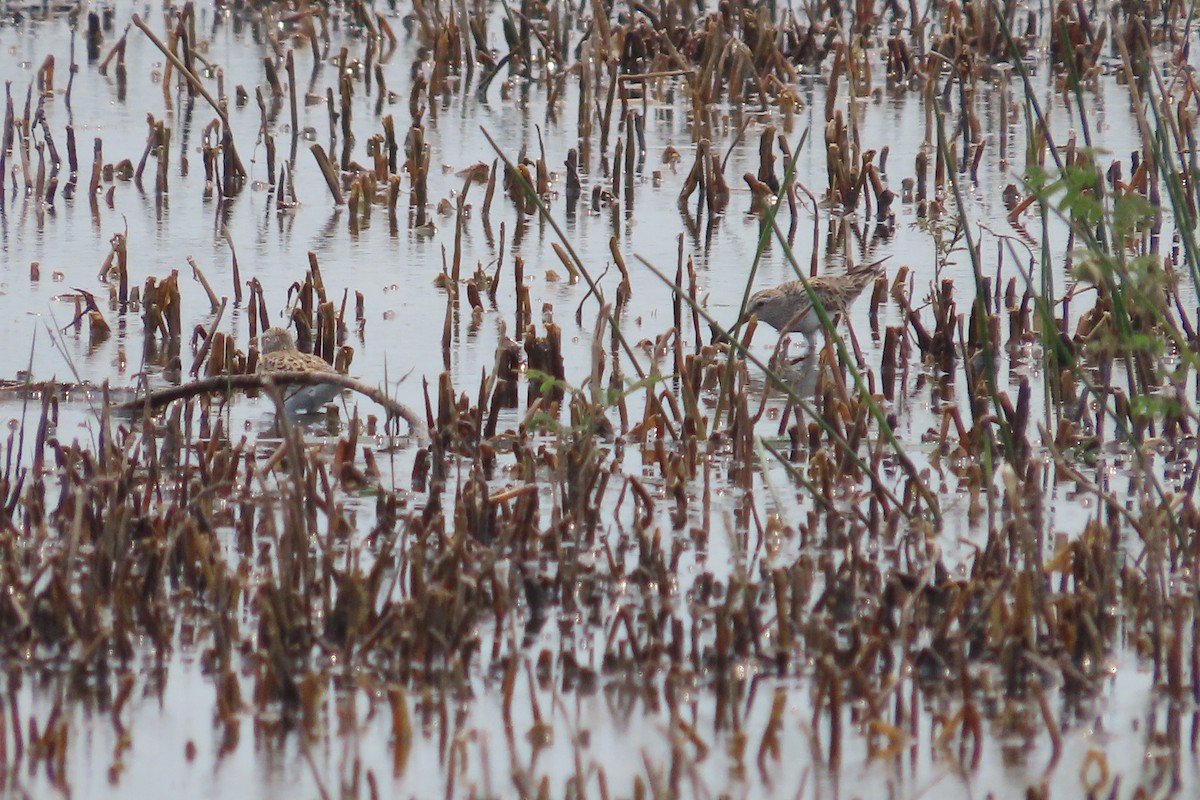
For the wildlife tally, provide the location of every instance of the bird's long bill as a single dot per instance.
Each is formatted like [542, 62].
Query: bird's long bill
[872, 267]
[722, 336]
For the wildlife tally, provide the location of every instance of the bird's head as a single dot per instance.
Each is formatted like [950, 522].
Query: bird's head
[276, 339]
[765, 304]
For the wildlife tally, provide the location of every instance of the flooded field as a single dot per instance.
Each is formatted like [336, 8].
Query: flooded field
[579, 521]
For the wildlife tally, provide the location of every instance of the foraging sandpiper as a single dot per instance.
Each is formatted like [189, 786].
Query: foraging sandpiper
[788, 309]
[278, 353]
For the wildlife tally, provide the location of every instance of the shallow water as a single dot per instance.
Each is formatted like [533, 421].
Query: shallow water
[621, 729]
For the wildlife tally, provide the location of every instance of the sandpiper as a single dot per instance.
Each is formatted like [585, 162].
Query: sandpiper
[278, 353]
[788, 309]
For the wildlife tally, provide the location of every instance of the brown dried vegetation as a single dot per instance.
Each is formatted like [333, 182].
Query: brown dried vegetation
[512, 545]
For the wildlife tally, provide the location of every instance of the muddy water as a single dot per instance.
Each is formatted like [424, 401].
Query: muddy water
[166, 739]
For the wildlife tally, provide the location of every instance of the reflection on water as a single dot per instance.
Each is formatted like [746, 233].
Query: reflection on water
[628, 597]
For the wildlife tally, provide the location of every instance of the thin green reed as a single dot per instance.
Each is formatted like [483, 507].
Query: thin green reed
[1110, 265]
[877, 412]
[931, 501]
[827, 323]
[1182, 210]
[579, 265]
[764, 236]
[1056, 353]
[980, 301]
[775, 379]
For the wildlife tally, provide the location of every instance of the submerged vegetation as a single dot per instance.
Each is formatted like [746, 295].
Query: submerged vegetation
[609, 550]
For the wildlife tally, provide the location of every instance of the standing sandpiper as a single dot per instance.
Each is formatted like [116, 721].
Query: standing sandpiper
[278, 353]
[788, 309]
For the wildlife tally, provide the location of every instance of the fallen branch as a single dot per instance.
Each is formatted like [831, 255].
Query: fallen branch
[220, 383]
